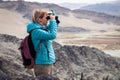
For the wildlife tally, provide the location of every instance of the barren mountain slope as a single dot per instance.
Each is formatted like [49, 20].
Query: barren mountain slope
[72, 21]
[12, 23]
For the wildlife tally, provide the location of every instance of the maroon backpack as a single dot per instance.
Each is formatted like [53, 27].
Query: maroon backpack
[27, 51]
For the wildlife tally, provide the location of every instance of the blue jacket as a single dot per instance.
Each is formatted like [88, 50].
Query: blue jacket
[42, 41]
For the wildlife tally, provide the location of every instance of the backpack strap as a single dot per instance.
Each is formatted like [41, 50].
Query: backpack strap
[31, 37]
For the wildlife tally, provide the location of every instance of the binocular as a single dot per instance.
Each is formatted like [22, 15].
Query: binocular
[53, 13]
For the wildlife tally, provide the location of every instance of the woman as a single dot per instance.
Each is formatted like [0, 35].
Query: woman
[42, 36]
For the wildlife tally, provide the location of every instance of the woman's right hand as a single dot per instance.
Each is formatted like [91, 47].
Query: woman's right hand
[52, 17]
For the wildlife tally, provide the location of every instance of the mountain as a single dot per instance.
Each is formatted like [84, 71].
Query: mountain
[65, 14]
[72, 6]
[73, 62]
[77, 27]
[96, 16]
[12, 23]
[112, 8]
[69, 18]
[26, 8]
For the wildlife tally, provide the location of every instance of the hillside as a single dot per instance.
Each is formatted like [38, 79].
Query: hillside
[77, 27]
[83, 20]
[25, 8]
[96, 16]
[112, 8]
[73, 62]
[12, 23]
[72, 6]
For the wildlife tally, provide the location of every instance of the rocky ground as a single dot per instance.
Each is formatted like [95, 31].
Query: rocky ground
[73, 62]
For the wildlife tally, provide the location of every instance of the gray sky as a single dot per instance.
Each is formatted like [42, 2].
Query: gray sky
[71, 1]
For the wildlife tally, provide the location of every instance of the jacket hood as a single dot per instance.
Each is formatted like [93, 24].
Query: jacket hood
[32, 26]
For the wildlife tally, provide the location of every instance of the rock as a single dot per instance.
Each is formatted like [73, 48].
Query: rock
[73, 62]
[47, 77]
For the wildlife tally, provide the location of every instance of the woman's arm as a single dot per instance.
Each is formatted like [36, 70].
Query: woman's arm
[47, 35]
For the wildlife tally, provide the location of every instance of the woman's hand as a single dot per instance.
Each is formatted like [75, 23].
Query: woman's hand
[52, 17]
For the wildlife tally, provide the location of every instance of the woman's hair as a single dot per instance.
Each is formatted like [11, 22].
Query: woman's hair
[38, 13]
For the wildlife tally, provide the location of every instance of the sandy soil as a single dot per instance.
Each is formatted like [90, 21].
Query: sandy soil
[115, 53]
[12, 23]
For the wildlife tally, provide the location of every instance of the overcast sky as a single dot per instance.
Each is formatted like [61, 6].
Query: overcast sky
[71, 1]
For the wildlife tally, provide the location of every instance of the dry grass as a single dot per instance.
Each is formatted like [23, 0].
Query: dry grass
[108, 40]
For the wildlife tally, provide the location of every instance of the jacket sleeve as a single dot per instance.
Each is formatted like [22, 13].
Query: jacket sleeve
[47, 35]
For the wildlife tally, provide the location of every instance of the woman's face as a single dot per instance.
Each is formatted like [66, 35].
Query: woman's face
[43, 21]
